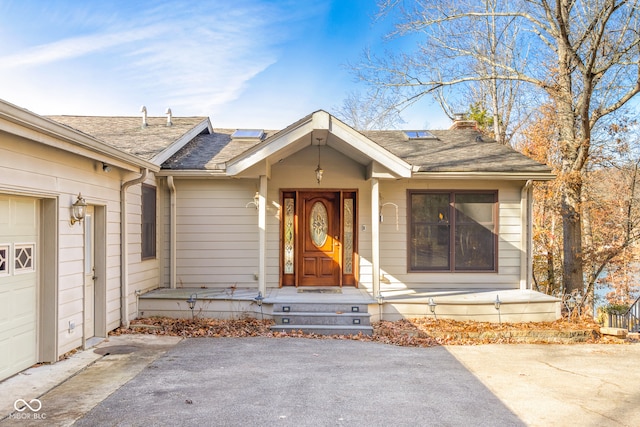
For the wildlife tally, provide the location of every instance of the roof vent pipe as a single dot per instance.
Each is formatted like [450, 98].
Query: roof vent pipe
[168, 113]
[143, 110]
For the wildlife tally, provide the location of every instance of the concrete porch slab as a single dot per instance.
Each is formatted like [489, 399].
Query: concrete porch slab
[461, 304]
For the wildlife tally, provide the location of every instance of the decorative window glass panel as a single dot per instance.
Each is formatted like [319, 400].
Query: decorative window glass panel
[348, 236]
[4, 260]
[24, 258]
[453, 231]
[289, 215]
[319, 224]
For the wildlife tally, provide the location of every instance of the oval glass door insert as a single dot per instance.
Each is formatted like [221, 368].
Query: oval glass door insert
[319, 224]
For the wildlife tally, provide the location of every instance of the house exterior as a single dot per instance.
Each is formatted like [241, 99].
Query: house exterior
[234, 217]
[64, 284]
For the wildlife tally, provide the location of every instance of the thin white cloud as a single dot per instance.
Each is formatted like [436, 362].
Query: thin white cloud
[197, 58]
[76, 47]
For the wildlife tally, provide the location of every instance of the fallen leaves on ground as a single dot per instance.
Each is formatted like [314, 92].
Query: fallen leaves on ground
[420, 332]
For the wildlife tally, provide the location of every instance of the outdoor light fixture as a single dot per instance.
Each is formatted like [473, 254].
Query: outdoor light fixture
[571, 304]
[106, 167]
[380, 299]
[497, 304]
[319, 170]
[259, 300]
[432, 308]
[192, 303]
[255, 202]
[78, 210]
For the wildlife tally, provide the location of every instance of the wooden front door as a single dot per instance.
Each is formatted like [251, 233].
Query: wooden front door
[319, 260]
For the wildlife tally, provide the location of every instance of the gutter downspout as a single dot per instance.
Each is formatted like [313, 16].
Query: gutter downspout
[124, 253]
[526, 260]
[172, 232]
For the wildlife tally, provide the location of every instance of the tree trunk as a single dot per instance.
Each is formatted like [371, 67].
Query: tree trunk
[571, 187]
[572, 235]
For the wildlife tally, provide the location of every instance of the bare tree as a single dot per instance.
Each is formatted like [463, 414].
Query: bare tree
[582, 55]
[376, 109]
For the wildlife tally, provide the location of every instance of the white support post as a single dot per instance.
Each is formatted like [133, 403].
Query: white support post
[526, 249]
[262, 226]
[375, 236]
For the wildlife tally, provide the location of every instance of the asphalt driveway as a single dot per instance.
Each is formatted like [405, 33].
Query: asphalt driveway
[300, 382]
[148, 380]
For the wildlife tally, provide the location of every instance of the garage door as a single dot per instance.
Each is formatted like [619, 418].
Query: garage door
[18, 284]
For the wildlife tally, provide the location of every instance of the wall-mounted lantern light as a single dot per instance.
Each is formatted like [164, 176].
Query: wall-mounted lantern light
[78, 209]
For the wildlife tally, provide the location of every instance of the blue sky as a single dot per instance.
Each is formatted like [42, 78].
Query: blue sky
[244, 63]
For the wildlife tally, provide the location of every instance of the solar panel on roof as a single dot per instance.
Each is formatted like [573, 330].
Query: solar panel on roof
[248, 133]
[419, 134]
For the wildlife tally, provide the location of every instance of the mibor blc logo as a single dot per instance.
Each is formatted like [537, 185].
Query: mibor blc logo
[34, 405]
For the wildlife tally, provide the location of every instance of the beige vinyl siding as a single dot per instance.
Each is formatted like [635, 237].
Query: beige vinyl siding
[144, 275]
[113, 266]
[217, 234]
[48, 173]
[393, 238]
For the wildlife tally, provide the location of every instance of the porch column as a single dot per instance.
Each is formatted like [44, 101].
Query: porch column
[526, 251]
[375, 236]
[262, 232]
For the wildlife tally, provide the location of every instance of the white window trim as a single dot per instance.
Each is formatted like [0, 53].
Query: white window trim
[16, 246]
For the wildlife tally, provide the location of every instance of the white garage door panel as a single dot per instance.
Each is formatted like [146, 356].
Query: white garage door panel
[18, 288]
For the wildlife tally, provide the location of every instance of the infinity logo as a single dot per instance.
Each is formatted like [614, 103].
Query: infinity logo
[37, 405]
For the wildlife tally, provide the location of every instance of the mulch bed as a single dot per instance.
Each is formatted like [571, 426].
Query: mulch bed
[422, 332]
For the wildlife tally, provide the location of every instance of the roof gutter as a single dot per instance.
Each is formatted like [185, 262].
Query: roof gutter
[124, 253]
[515, 176]
[49, 132]
[193, 173]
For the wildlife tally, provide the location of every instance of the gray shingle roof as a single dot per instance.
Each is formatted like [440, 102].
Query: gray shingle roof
[452, 151]
[127, 133]
[456, 150]
[210, 151]
[459, 150]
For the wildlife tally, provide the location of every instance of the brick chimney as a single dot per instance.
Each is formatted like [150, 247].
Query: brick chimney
[461, 122]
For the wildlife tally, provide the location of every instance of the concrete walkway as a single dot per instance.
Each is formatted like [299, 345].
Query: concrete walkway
[150, 380]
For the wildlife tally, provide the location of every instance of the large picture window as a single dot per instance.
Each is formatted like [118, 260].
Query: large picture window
[452, 231]
[148, 222]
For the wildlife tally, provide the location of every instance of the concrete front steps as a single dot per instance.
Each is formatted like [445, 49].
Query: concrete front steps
[322, 318]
